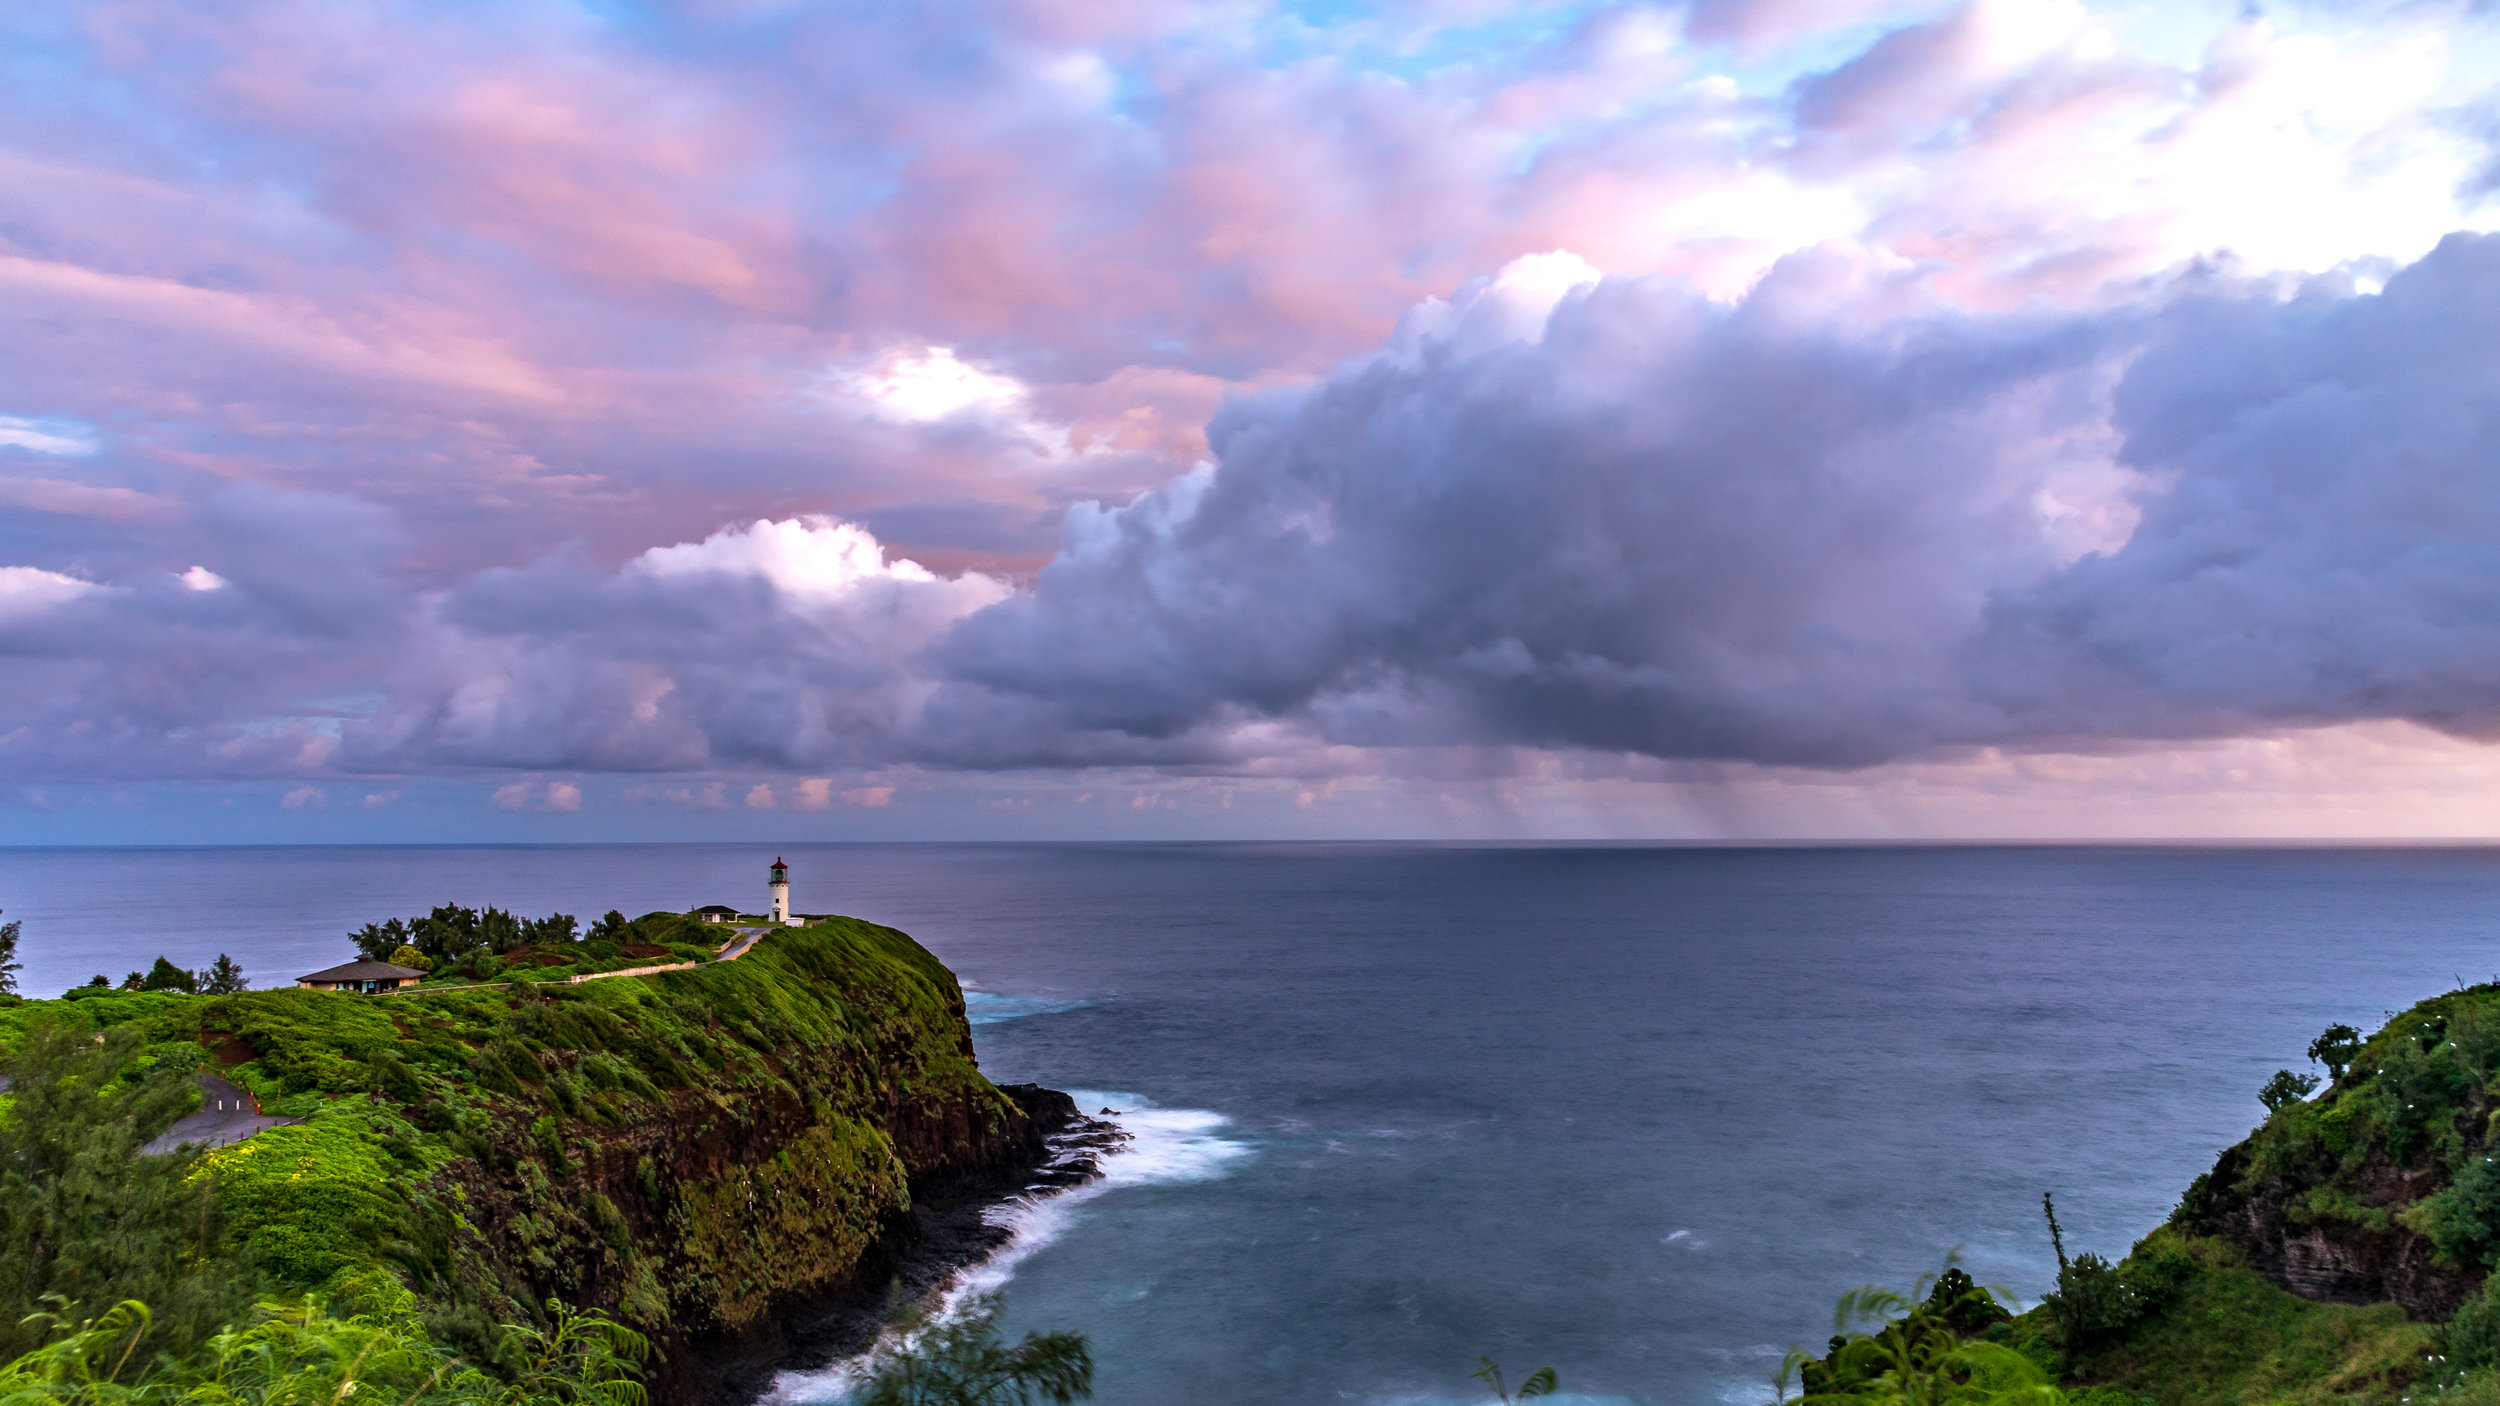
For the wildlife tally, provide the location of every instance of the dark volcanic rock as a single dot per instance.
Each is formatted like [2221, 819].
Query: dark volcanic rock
[2333, 1261]
[948, 1230]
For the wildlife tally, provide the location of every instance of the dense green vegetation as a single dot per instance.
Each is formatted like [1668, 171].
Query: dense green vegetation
[497, 1149]
[84, 1220]
[363, 1341]
[2381, 1192]
[2214, 1333]
[457, 945]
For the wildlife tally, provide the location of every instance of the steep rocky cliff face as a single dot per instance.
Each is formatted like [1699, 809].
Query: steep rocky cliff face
[2350, 1259]
[2384, 1188]
[710, 1154]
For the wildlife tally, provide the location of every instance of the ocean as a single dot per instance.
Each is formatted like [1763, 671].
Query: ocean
[1637, 1113]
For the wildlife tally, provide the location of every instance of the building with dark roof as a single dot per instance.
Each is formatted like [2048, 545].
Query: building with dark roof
[364, 977]
[717, 913]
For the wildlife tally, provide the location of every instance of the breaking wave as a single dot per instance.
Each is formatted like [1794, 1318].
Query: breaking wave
[1153, 1147]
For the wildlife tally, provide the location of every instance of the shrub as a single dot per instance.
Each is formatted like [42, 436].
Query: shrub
[165, 976]
[309, 1351]
[964, 1362]
[2285, 1089]
[2335, 1049]
[1916, 1354]
[2472, 1338]
[2462, 1219]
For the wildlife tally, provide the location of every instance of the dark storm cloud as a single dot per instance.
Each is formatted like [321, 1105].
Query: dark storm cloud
[2324, 541]
[242, 665]
[1838, 522]
[1830, 526]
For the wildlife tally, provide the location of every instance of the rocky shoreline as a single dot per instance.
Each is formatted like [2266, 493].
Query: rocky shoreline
[948, 1231]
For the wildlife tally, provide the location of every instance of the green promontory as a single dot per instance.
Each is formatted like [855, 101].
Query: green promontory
[2341, 1254]
[693, 1150]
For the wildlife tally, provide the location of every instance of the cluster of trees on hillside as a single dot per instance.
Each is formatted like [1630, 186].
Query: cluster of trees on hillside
[451, 933]
[222, 977]
[476, 941]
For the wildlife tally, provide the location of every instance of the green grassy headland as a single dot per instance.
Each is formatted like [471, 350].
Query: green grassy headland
[685, 1150]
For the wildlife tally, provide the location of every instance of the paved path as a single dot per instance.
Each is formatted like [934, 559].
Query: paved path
[738, 947]
[227, 1115]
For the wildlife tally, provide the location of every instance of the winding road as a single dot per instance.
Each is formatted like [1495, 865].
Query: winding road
[227, 1115]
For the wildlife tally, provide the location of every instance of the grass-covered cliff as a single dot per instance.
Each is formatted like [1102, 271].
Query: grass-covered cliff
[2343, 1253]
[690, 1150]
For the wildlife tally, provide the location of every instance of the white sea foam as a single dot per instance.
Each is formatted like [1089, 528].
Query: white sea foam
[1166, 1146]
[989, 1008]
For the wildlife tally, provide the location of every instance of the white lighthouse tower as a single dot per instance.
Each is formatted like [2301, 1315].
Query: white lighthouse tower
[781, 893]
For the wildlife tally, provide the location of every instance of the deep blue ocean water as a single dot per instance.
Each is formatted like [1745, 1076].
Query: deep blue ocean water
[1639, 1113]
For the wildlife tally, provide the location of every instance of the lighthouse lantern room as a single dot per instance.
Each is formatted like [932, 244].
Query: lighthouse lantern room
[781, 893]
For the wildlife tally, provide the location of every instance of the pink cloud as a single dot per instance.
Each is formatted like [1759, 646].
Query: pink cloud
[423, 328]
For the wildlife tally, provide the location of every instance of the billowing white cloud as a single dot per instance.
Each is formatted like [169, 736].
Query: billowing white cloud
[785, 643]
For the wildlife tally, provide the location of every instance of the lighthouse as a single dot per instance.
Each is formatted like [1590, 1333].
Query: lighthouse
[781, 893]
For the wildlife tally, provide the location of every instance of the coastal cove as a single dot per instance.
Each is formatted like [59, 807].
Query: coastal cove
[1639, 1113]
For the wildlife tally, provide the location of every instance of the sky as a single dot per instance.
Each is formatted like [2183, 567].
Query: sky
[1733, 419]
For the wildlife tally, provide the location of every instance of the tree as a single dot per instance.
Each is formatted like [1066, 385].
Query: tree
[553, 930]
[611, 928]
[82, 1215]
[448, 935]
[963, 1362]
[410, 958]
[502, 932]
[136, 981]
[1540, 1382]
[2336, 1049]
[2286, 1089]
[376, 941]
[9, 964]
[2085, 1302]
[223, 978]
[165, 976]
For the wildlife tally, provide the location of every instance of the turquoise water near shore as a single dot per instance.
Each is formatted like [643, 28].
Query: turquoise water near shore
[1639, 1113]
